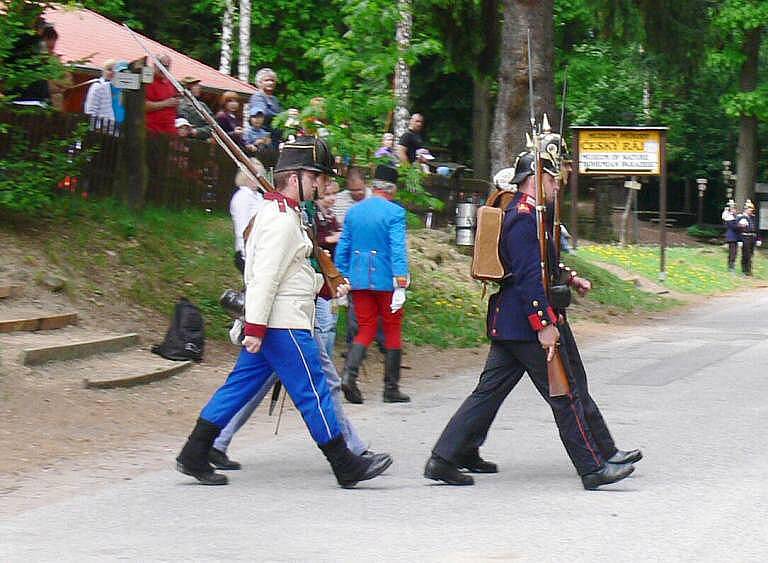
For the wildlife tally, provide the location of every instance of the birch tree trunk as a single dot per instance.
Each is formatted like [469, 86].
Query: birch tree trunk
[402, 71]
[244, 60]
[225, 62]
[746, 153]
[511, 119]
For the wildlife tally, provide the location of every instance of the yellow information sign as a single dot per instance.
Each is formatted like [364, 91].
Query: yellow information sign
[619, 151]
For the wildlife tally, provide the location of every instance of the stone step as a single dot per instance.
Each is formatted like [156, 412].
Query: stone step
[77, 350]
[10, 290]
[31, 321]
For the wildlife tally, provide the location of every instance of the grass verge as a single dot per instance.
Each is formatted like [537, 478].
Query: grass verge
[155, 256]
[696, 270]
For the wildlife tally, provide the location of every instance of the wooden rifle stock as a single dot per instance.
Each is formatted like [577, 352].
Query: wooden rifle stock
[557, 377]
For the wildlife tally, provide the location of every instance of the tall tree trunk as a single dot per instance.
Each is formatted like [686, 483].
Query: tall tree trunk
[481, 126]
[511, 119]
[746, 153]
[225, 62]
[244, 60]
[402, 71]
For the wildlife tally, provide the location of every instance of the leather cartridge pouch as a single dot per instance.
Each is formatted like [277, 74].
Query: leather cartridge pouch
[559, 296]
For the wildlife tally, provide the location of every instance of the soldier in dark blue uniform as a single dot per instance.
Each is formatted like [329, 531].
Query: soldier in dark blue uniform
[522, 326]
[747, 226]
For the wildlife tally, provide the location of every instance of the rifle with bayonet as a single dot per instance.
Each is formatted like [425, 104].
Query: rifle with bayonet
[333, 277]
[556, 375]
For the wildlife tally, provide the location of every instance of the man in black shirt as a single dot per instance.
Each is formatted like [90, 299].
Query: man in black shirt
[411, 140]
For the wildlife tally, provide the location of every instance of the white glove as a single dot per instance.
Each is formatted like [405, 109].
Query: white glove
[759, 243]
[398, 299]
[236, 332]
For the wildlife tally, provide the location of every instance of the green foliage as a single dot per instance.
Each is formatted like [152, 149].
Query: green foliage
[29, 174]
[22, 58]
[700, 231]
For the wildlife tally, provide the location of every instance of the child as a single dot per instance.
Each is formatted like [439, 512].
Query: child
[255, 135]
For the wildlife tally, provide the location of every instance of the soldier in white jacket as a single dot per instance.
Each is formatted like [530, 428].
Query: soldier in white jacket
[279, 310]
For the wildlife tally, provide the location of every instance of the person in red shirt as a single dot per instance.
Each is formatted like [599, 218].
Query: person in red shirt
[161, 101]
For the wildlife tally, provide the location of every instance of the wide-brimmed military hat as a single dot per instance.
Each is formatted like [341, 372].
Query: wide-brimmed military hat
[306, 153]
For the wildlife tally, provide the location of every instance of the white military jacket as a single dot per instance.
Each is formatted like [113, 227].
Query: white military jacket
[280, 282]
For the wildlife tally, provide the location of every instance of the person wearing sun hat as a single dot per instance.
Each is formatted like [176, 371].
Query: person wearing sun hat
[200, 128]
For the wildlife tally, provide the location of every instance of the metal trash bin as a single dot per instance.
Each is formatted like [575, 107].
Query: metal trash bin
[466, 219]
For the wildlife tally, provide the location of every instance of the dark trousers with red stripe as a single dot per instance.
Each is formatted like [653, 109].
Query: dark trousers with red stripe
[507, 361]
[578, 376]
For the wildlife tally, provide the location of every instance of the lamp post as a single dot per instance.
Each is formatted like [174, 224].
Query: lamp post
[729, 178]
[702, 185]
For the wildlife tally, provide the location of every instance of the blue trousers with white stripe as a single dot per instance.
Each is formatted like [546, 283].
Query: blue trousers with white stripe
[294, 356]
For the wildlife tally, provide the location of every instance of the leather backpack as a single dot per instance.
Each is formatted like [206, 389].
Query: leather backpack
[486, 262]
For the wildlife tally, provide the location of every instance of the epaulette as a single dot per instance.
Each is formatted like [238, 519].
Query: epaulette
[527, 205]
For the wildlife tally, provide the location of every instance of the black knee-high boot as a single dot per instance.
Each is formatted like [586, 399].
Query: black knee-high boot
[349, 376]
[349, 468]
[193, 459]
[392, 393]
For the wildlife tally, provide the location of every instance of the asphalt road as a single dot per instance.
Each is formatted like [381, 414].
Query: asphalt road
[690, 391]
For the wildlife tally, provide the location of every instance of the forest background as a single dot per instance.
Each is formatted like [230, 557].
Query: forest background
[696, 66]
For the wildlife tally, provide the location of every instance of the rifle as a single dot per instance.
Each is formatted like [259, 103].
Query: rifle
[331, 274]
[556, 375]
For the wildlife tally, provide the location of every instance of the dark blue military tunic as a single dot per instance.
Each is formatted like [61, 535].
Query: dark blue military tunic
[520, 308]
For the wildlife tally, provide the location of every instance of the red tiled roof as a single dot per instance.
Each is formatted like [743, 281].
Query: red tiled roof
[88, 39]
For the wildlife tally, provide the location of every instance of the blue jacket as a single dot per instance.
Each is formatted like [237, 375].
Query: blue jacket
[372, 249]
[520, 308]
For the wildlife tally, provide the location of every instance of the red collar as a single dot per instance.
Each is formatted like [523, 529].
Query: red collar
[277, 196]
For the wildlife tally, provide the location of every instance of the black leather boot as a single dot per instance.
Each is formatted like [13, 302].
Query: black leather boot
[220, 460]
[609, 473]
[438, 469]
[622, 456]
[193, 459]
[349, 375]
[349, 468]
[392, 392]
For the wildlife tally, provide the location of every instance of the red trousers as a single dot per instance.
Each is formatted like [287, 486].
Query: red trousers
[369, 307]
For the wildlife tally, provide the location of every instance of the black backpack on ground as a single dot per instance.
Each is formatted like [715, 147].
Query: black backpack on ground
[185, 338]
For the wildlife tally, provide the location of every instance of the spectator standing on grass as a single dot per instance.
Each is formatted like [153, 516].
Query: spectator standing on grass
[98, 100]
[747, 226]
[732, 237]
[200, 128]
[161, 101]
[411, 140]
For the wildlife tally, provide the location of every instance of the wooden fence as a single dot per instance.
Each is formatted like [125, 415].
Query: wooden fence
[182, 172]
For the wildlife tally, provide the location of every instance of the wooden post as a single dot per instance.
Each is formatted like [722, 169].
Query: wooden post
[131, 170]
[574, 185]
[663, 208]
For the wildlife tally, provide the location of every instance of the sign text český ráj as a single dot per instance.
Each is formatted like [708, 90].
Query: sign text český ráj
[619, 151]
